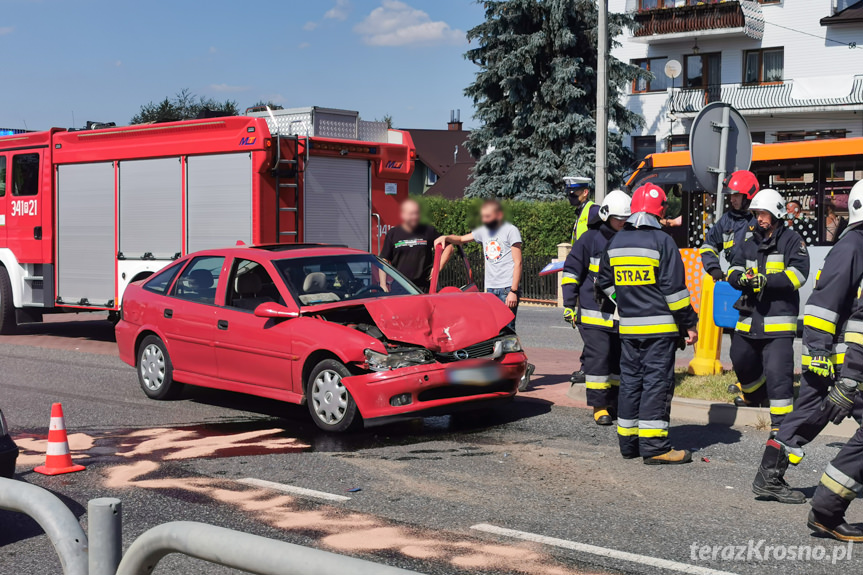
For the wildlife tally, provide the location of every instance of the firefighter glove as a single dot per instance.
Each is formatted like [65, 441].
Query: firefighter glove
[717, 275]
[840, 401]
[569, 315]
[822, 366]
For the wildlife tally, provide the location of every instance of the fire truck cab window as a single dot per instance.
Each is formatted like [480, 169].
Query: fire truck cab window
[199, 280]
[250, 286]
[2, 176]
[25, 175]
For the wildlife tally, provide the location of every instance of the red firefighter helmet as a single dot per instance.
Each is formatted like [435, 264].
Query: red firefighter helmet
[742, 182]
[649, 198]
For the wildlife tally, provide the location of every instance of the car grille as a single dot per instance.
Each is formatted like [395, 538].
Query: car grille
[479, 350]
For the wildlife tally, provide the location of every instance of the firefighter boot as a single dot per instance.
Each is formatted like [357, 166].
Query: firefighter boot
[770, 482]
[834, 528]
[673, 457]
[578, 377]
[758, 398]
[602, 415]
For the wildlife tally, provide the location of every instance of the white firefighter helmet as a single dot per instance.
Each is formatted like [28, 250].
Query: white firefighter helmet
[855, 204]
[615, 205]
[769, 200]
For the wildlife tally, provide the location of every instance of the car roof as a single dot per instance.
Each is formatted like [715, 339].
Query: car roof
[273, 252]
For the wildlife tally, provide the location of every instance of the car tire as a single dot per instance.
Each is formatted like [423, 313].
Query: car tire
[155, 370]
[330, 403]
[8, 323]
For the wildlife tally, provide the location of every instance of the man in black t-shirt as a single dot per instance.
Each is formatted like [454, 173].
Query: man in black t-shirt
[409, 247]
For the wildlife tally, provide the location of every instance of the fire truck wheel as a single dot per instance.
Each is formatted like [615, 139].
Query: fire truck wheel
[330, 403]
[155, 371]
[8, 323]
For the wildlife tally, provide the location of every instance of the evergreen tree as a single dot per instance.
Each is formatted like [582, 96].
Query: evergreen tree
[535, 94]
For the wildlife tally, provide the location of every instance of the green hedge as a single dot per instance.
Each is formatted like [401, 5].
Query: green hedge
[543, 225]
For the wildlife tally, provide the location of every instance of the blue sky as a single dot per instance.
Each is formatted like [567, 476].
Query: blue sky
[101, 59]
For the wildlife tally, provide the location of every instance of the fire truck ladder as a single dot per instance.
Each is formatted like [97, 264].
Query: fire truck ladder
[288, 172]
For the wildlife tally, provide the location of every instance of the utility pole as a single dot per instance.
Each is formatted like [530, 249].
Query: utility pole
[602, 101]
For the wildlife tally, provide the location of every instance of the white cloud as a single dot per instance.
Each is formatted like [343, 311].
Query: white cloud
[303, 45]
[228, 88]
[339, 11]
[394, 23]
[309, 26]
[5, 30]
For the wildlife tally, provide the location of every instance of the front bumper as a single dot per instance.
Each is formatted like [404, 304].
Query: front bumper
[432, 387]
[8, 456]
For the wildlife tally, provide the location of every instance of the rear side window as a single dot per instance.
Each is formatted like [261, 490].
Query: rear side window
[199, 280]
[25, 175]
[160, 282]
[2, 176]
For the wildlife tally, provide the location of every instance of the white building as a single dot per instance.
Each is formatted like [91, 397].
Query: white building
[792, 67]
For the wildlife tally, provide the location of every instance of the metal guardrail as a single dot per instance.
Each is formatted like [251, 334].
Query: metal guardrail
[53, 517]
[243, 551]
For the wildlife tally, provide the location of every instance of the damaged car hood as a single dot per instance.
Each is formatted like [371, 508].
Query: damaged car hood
[441, 322]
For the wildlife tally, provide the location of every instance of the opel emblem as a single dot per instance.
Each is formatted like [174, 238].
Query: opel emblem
[462, 354]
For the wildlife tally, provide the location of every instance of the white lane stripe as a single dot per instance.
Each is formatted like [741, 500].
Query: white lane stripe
[601, 551]
[293, 489]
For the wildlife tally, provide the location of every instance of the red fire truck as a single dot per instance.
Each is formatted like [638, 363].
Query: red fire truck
[84, 213]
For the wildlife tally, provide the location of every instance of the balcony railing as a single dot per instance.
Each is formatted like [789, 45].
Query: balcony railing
[689, 19]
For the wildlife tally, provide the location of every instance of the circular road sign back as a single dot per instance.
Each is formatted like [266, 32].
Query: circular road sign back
[705, 141]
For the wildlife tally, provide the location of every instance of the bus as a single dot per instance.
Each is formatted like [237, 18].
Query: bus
[814, 176]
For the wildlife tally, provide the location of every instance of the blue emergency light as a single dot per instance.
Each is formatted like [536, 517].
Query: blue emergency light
[10, 131]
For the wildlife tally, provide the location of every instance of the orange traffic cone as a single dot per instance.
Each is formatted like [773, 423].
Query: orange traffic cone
[58, 460]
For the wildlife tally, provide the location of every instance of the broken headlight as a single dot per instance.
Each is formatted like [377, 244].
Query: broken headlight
[396, 359]
[508, 344]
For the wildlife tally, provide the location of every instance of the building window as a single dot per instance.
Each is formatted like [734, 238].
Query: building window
[431, 177]
[770, 1]
[657, 67]
[801, 135]
[643, 146]
[703, 70]
[763, 66]
[678, 143]
[759, 137]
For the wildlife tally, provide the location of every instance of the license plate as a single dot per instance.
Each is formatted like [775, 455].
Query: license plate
[475, 375]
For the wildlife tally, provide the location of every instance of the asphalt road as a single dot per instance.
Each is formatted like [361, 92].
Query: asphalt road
[536, 468]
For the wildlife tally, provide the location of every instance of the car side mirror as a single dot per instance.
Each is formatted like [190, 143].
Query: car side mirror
[275, 311]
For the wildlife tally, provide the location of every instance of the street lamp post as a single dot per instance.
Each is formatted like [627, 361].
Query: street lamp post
[602, 101]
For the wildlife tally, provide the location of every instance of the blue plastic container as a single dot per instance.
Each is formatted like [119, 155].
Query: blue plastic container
[724, 298]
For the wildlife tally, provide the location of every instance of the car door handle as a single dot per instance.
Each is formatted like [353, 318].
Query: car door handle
[169, 313]
[223, 324]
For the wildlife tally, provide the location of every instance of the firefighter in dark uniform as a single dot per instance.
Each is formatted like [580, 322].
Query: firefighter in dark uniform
[601, 352]
[731, 229]
[826, 315]
[642, 272]
[768, 269]
[586, 215]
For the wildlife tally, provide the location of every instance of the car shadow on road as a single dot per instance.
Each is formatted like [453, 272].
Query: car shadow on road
[296, 421]
[16, 527]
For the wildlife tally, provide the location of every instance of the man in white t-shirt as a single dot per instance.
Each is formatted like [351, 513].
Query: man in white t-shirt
[501, 246]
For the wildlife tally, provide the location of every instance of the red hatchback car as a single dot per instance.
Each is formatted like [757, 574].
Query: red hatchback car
[332, 327]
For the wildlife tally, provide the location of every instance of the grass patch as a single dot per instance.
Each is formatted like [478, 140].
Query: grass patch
[710, 387]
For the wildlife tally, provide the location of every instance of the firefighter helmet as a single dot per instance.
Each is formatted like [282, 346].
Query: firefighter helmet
[742, 182]
[769, 201]
[855, 204]
[615, 205]
[649, 198]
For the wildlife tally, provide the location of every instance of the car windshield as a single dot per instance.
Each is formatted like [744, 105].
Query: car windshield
[340, 278]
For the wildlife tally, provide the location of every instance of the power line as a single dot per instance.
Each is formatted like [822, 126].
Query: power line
[852, 45]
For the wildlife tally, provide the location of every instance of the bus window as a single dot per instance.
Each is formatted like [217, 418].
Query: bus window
[839, 175]
[797, 180]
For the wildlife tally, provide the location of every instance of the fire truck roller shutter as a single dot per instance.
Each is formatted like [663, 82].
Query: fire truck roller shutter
[85, 233]
[219, 200]
[337, 202]
[151, 217]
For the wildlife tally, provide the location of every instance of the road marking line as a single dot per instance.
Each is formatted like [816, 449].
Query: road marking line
[293, 489]
[601, 551]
